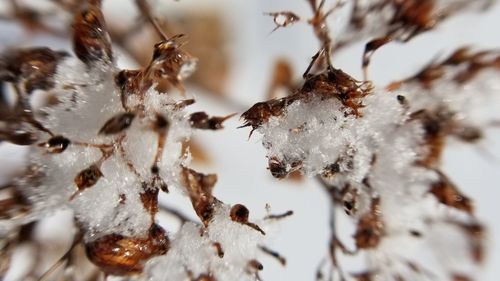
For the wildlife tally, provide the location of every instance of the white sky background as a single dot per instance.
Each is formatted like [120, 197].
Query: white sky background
[241, 164]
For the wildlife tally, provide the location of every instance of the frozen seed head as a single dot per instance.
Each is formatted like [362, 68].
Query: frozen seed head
[372, 152]
[108, 139]
[103, 153]
[342, 118]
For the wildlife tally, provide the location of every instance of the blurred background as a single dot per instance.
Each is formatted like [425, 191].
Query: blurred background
[237, 53]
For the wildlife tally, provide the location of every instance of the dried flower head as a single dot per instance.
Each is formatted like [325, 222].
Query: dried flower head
[105, 148]
[377, 150]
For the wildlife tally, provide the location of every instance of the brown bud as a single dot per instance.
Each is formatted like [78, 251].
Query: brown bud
[277, 168]
[447, 193]
[218, 248]
[86, 178]
[57, 144]
[119, 255]
[239, 213]
[161, 123]
[91, 41]
[201, 120]
[117, 123]
[199, 187]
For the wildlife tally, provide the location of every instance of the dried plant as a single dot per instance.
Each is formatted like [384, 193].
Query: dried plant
[104, 142]
[377, 150]
[104, 145]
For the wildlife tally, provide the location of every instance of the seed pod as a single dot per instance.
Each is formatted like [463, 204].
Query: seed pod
[35, 66]
[57, 144]
[364, 276]
[119, 255]
[201, 277]
[86, 178]
[169, 61]
[91, 41]
[201, 120]
[218, 248]
[239, 213]
[460, 277]
[117, 124]
[255, 264]
[149, 200]
[277, 168]
[205, 277]
[283, 19]
[332, 83]
[370, 228]
[200, 188]
[260, 112]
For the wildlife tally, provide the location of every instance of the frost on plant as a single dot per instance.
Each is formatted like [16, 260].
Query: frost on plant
[377, 149]
[380, 166]
[104, 143]
[400, 20]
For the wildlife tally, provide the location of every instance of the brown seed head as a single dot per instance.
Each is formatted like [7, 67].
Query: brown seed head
[370, 228]
[88, 177]
[119, 255]
[117, 123]
[199, 187]
[91, 42]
